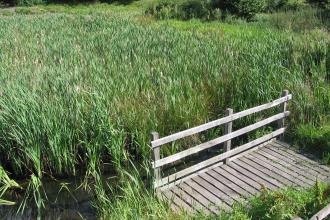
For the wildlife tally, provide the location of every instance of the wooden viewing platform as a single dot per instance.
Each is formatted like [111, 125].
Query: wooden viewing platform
[236, 174]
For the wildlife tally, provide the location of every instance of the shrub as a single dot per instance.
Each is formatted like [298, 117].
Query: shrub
[304, 19]
[315, 140]
[187, 9]
[163, 9]
[205, 9]
[22, 2]
[248, 8]
[195, 9]
[275, 5]
[242, 8]
[327, 77]
[320, 3]
[295, 5]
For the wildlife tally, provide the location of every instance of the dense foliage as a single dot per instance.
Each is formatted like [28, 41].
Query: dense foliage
[97, 94]
[205, 9]
[81, 91]
[242, 8]
[70, 2]
[315, 140]
[320, 3]
[269, 205]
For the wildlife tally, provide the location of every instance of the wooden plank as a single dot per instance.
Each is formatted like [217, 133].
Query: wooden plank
[256, 172]
[281, 123]
[295, 165]
[284, 165]
[317, 167]
[173, 199]
[219, 140]
[223, 188]
[228, 129]
[248, 174]
[220, 157]
[236, 179]
[300, 159]
[266, 171]
[245, 179]
[243, 153]
[156, 156]
[205, 204]
[325, 212]
[233, 186]
[274, 169]
[269, 169]
[286, 147]
[203, 196]
[299, 165]
[165, 197]
[208, 195]
[189, 200]
[212, 189]
[218, 122]
[162, 183]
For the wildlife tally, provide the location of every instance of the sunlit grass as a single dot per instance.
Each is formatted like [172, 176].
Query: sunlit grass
[83, 85]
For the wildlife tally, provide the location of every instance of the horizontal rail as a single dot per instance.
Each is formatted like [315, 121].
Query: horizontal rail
[218, 122]
[322, 214]
[218, 158]
[219, 140]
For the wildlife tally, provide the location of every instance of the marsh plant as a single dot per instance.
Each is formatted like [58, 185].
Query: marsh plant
[79, 92]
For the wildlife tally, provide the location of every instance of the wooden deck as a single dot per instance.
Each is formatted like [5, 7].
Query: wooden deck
[237, 173]
[272, 166]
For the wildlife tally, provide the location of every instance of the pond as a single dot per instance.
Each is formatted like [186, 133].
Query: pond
[65, 199]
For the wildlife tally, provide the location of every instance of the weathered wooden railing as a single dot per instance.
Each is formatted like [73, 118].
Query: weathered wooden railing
[325, 212]
[322, 214]
[227, 121]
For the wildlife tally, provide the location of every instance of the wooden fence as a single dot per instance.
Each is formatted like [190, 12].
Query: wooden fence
[227, 121]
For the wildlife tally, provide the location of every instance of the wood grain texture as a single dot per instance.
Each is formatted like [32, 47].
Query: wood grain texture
[228, 129]
[221, 186]
[219, 140]
[220, 157]
[315, 165]
[288, 168]
[263, 181]
[218, 122]
[325, 212]
[156, 156]
[308, 176]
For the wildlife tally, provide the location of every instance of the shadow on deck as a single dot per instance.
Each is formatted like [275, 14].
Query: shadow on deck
[272, 166]
[239, 172]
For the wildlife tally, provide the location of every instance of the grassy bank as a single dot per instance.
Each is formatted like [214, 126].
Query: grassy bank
[135, 202]
[82, 88]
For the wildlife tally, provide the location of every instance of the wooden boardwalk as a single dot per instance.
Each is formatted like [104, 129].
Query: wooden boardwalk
[271, 167]
[237, 173]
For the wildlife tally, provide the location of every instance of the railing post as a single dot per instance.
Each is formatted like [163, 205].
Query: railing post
[228, 129]
[281, 122]
[156, 155]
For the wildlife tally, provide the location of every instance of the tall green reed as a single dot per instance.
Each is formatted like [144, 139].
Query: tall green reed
[78, 92]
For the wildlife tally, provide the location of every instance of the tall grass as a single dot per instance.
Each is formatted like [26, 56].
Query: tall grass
[5, 184]
[78, 92]
[308, 18]
[133, 201]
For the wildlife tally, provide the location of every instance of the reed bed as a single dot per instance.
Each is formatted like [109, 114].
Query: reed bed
[79, 91]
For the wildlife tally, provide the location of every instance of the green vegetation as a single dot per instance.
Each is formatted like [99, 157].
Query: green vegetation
[316, 140]
[227, 9]
[288, 203]
[5, 184]
[136, 202]
[83, 85]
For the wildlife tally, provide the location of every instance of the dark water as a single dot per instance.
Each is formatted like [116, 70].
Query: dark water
[66, 199]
